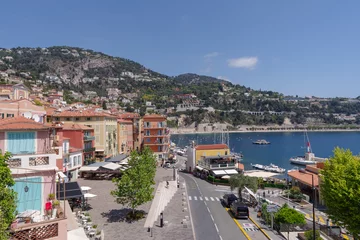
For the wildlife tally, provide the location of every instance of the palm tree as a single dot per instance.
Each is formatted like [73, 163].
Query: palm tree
[241, 181]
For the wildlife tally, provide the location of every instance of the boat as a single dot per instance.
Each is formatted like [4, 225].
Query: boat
[270, 168]
[309, 158]
[261, 142]
[237, 156]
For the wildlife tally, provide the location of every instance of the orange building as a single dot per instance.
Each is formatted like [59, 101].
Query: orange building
[156, 135]
[125, 136]
[135, 119]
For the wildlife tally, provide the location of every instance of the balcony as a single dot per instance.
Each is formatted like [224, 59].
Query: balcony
[89, 138]
[54, 229]
[217, 165]
[32, 160]
[92, 149]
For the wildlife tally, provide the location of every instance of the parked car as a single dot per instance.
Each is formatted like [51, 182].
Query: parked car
[239, 210]
[228, 199]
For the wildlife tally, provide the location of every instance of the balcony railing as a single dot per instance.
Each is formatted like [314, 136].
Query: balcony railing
[89, 138]
[92, 149]
[32, 160]
[217, 165]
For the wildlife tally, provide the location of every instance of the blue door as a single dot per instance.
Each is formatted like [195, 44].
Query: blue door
[29, 193]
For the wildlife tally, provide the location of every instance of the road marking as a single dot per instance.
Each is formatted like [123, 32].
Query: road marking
[238, 224]
[262, 230]
[212, 217]
[200, 198]
[208, 210]
[216, 227]
[190, 198]
[195, 198]
[191, 218]
[211, 199]
[217, 199]
[220, 237]
[206, 199]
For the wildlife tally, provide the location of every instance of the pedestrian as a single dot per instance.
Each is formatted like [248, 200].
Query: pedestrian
[167, 184]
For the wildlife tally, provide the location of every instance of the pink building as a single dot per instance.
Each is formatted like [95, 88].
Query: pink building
[22, 107]
[125, 136]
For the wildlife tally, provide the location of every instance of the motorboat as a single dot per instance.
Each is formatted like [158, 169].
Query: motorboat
[302, 161]
[261, 142]
[270, 168]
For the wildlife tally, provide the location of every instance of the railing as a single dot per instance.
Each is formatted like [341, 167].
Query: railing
[32, 160]
[217, 166]
[92, 149]
[89, 138]
[37, 161]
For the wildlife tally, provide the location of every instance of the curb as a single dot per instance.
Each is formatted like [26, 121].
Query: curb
[262, 230]
[238, 224]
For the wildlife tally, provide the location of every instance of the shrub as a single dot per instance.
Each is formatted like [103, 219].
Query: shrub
[309, 235]
[273, 185]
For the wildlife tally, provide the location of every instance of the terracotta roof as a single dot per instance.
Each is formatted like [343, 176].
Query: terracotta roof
[129, 115]
[21, 123]
[50, 111]
[75, 126]
[124, 121]
[305, 178]
[153, 116]
[240, 166]
[80, 113]
[211, 147]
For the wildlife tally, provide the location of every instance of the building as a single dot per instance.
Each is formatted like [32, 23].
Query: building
[104, 125]
[199, 152]
[125, 136]
[22, 107]
[156, 135]
[303, 179]
[14, 92]
[33, 167]
[137, 128]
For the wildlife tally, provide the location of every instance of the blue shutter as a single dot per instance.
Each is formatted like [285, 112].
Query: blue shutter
[32, 199]
[21, 142]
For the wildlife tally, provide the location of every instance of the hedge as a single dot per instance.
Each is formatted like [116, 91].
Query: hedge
[213, 179]
[273, 185]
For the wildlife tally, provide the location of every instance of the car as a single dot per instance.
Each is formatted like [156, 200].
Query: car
[228, 199]
[239, 210]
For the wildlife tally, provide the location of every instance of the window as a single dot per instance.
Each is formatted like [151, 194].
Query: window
[225, 152]
[147, 132]
[21, 142]
[148, 140]
[147, 124]
[57, 119]
[9, 115]
[2, 115]
[77, 119]
[159, 132]
[161, 124]
[159, 148]
[88, 119]
[67, 119]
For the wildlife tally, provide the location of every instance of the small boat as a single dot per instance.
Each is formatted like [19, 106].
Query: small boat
[302, 161]
[270, 168]
[261, 142]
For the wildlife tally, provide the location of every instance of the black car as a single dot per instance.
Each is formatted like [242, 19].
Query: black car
[239, 210]
[228, 199]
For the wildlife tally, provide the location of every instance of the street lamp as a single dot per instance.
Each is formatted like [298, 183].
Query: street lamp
[313, 208]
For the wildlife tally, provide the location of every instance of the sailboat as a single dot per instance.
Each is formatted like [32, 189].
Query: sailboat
[309, 158]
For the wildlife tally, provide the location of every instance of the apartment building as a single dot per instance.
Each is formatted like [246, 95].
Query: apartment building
[125, 136]
[104, 125]
[137, 128]
[22, 107]
[156, 135]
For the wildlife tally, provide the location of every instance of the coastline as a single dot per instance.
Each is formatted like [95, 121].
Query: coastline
[193, 131]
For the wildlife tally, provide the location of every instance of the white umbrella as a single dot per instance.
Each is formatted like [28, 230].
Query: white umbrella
[89, 195]
[225, 177]
[85, 188]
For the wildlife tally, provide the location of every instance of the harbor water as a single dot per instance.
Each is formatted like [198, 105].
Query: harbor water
[283, 145]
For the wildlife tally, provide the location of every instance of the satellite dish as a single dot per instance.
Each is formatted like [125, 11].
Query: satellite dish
[36, 118]
[28, 115]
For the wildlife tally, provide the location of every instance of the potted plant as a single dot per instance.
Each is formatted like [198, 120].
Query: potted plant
[59, 212]
[51, 196]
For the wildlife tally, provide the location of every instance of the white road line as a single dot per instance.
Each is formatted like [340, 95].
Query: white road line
[216, 227]
[212, 217]
[208, 210]
[220, 237]
[211, 199]
[200, 198]
[195, 198]
[205, 203]
[217, 199]
[206, 199]
[190, 198]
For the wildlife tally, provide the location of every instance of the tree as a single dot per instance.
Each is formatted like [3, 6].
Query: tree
[309, 235]
[340, 189]
[8, 196]
[135, 186]
[241, 181]
[288, 216]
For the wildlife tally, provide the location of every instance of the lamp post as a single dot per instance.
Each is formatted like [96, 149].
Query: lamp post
[313, 208]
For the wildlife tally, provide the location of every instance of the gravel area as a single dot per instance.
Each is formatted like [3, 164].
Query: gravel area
[110, 216]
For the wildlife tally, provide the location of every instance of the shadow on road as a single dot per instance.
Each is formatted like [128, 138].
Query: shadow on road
[121, 215]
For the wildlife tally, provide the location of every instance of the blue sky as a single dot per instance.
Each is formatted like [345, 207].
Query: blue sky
[295, 47]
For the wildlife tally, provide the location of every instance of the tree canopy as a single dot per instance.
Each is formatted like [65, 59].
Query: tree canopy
[340, 189]
[287, 215]
[135, 186]
[7, 196]
[241, 181]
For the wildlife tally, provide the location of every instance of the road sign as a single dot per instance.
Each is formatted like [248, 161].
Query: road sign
[272, 208]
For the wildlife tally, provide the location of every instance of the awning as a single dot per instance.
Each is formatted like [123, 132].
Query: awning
[111, 166]
[62, 176]
[250, 192]
[231, 171]
[88, 168]
[199, 168]
[72, 190]
[219, 172]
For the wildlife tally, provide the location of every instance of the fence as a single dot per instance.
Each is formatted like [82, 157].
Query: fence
[331, 232]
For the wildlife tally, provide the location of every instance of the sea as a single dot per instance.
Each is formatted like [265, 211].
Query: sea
[284, 145]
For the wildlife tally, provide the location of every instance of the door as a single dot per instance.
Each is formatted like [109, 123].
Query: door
[29, 193]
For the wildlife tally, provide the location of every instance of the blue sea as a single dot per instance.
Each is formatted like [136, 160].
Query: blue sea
[282, 147]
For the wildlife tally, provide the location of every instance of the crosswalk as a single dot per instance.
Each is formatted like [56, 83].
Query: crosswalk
[203, 198]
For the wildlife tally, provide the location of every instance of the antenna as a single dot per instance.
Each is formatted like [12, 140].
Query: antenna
[28, 115]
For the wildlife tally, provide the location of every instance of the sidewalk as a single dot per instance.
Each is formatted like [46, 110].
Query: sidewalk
[271, 233]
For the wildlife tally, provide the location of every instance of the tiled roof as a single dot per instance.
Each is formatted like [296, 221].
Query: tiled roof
[75, 126]
[129, 115]
[21, 123]
[80, 113]
[211, 147]
[304, 178]
[124, 121]
[153, 116]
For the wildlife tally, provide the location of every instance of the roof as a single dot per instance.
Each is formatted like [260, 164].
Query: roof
[211, 147]
[129, 115]
[75, 126]
[305, 178]
[111, 166]
[124, 121]
[21, 123]
[80, 113]
[117, 158]
[72, 190]
[156, 116]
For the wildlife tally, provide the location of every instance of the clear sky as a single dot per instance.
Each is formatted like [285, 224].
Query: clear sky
[306, 47]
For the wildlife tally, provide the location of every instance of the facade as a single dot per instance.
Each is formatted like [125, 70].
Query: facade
[14, 92]
[137, 128]
[125, 136]
[156, 135]
[104, 125]
[14, 108]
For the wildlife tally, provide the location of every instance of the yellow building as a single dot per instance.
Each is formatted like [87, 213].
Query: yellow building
[211, 150]
[104, 124]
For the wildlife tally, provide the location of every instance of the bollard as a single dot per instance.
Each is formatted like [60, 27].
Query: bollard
[161, 220]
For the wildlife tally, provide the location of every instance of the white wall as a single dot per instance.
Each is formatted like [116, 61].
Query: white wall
[190, 164]
[25, 160]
